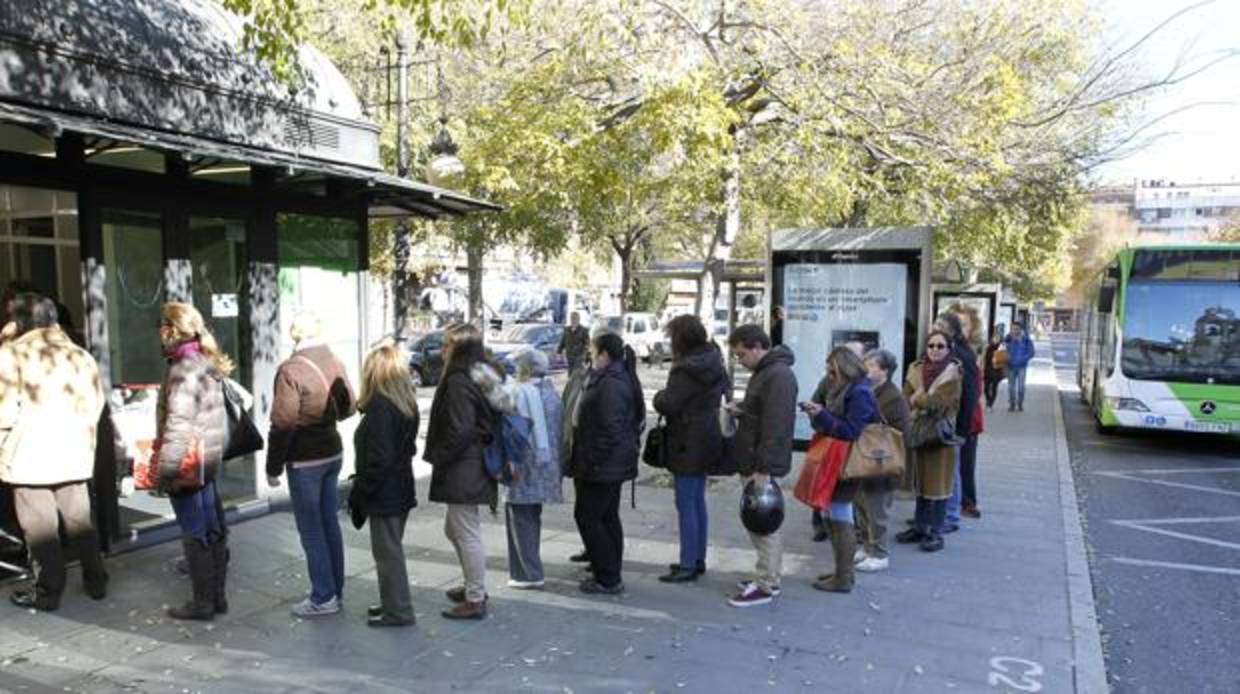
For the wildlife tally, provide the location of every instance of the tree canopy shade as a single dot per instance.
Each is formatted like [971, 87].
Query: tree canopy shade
[676, 129]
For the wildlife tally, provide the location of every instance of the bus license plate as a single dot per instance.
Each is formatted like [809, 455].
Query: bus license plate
[1211, 427]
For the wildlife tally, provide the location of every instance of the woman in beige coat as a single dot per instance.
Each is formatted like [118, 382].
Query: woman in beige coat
[933, 388]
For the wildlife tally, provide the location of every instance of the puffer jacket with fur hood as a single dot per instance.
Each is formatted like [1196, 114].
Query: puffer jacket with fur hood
[464, 419]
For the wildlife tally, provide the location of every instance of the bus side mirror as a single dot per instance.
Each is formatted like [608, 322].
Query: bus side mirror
[1106, 299]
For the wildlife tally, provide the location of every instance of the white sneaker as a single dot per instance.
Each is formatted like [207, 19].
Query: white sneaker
[872, 564]
[524, 585]
[307, 608]
[860, 555]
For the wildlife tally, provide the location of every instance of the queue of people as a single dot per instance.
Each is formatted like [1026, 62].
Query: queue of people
[591, 433]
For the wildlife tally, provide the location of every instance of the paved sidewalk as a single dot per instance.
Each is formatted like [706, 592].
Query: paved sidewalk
[1002, 609]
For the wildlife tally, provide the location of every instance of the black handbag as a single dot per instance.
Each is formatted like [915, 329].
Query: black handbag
[243, 436]
[927, 430]
[655, 452]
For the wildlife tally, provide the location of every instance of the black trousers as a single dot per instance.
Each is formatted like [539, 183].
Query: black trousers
[597, 512]
[968, 471]
[992, 388]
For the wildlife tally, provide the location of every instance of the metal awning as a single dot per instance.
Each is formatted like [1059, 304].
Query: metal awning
[735, 271]
[388, 195]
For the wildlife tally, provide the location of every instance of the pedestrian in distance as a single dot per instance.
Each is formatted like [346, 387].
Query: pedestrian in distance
[541, 482]
[873, 503]
[50, 403]
[970, 392]
[994, 366]
[574, 343]
[384, 443]
[310, 396]
[850, 408]
[766, 421]
[777, 326]
[465, 419]
[192, 422]
[605, 449]
[1020, 352]
[933, 389]
[690, 405]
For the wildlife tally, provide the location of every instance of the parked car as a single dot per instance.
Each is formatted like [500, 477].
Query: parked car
[426, 358]
[642, 332]
[544, 337]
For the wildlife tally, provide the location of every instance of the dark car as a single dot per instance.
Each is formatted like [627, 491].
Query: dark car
[544, 337]
[426, 358]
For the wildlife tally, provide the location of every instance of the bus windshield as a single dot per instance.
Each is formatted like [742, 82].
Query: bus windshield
[1182, 331]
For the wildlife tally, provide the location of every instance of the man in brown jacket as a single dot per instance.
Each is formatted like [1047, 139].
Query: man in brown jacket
[50, 402]
[311, 394]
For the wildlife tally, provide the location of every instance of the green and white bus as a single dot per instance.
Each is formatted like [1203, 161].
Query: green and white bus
[1160, 344]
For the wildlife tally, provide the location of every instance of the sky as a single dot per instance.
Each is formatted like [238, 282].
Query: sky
[1201, 143]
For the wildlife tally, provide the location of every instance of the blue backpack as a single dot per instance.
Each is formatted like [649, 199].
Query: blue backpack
[511, 453]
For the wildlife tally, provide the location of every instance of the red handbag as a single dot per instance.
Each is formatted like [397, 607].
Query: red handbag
[191, 473]
[824, 461]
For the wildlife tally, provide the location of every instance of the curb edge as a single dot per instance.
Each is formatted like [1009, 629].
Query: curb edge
[1089, 667]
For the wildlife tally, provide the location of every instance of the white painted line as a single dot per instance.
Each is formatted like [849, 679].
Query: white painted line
[1199, 568]
[1178, 521]
[1169, 471]
[1178, 535]
[1178, 485]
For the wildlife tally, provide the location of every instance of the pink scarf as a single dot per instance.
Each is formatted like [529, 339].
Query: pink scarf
[183, 350]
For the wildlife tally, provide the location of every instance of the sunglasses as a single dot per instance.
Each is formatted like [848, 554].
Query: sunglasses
[936, 345]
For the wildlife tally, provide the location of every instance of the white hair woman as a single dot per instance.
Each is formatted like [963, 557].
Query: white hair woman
[311, 394]
[385, 443]
[541, 483]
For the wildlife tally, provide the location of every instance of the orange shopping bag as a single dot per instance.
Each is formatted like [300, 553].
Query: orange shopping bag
[823, 462]
[190, 476]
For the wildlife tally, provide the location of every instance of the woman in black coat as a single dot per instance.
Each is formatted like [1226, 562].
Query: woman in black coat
[465, 418]
[383, 488]
[609, 423]
[690, 405]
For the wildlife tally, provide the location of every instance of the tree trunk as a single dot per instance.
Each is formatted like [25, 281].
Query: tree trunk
[723, 238]
[625, 253]
[473, 258]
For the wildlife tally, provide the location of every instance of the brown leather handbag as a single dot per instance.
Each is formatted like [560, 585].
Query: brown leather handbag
[878, 452]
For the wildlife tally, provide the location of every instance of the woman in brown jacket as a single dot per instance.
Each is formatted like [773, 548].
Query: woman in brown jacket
[933, 390]
[192, 424]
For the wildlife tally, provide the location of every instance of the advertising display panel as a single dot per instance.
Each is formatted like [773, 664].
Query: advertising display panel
[978, 303]
[861, 288]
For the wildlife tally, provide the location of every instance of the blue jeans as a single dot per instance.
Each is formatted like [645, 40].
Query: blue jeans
[691, 512]
[315, 504]
[953, 503]
[1016, 385]
[196, 514]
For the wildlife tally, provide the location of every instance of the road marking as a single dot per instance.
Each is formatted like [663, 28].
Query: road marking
[1165, 483]
[1178, 521]
[1137, 525]
[1199, 568]
[1029, 673]
[1168, 471]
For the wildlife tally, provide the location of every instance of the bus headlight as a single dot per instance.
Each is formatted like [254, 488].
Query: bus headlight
[1131, 404]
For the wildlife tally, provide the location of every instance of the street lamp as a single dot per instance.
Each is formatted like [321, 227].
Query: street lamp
[444, 167]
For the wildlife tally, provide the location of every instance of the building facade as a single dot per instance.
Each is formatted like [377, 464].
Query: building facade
[145, 158]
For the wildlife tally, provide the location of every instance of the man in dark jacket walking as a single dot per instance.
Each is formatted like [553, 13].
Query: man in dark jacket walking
[574, 343]
[766, 419]
[1020, 352]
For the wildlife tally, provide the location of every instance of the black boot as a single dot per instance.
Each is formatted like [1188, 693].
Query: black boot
[219, 559]
[202, 579]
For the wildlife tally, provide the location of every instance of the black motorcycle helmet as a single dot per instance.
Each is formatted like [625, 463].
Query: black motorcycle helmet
[762, 507]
